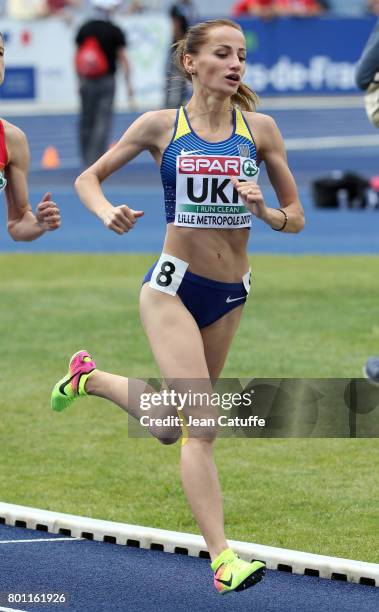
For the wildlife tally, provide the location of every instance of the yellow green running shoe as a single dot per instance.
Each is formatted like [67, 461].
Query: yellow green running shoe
[72, 385]
[234, 574]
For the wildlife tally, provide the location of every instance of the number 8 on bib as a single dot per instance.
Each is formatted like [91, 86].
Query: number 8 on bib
[168, 274]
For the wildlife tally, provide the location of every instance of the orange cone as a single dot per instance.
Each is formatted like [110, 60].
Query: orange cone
[50, 158]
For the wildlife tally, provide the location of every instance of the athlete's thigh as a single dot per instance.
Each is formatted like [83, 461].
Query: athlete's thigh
[178, 348]
[217, 339]
[173, 334]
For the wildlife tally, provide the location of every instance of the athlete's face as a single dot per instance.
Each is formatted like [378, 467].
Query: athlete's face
[220, 63]
[2, 66]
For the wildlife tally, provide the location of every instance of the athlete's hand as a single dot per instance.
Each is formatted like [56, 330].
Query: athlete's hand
[47, 214]
[121, 219]
[252, 197]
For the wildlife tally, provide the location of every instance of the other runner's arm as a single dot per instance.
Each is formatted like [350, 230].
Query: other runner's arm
[140, 136]
[23, 225]
[272, 152]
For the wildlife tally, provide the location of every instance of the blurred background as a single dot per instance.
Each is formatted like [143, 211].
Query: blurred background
[301, 58]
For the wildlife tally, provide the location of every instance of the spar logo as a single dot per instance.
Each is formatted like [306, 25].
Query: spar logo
[197, 164]
[3, 181]
[207, 179]
[249, 168]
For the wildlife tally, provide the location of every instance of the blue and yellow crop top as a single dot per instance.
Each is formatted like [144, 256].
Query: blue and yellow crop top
[196, 176]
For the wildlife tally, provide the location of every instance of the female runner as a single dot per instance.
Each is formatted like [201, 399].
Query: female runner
[192, 299]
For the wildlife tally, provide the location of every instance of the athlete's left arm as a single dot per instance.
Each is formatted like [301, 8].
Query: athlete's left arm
[23, 225]
[273, 153]
[271, 150]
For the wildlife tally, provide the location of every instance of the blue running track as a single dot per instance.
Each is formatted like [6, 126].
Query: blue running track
[101, 577]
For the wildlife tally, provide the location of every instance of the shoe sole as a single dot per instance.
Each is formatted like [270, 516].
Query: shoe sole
[251, 580]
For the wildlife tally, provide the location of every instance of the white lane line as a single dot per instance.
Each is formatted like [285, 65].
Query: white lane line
[11, 610]
[40, 540]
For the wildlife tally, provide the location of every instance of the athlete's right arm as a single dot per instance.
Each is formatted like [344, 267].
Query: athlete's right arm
[142, 135]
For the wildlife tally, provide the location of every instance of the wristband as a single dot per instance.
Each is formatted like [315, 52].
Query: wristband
[279, 229]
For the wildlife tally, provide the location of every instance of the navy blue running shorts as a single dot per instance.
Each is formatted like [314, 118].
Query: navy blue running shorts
[207, 300]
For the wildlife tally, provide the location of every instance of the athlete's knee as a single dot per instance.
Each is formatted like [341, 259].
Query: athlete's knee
[166, 441]
[206, 432]
[167, 435]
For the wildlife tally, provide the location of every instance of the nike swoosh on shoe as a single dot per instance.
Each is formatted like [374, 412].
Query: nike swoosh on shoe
[227, 583]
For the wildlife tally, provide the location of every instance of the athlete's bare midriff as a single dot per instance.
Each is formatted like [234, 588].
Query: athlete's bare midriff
[219, 254]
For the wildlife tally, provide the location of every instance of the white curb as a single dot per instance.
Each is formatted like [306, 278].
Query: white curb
[194, 545]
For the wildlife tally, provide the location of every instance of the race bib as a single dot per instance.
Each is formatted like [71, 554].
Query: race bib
[205, 196]
[246, 279]
[168, 274]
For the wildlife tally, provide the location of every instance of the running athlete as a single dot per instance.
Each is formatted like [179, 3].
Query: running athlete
[14, 165]
[192, 299]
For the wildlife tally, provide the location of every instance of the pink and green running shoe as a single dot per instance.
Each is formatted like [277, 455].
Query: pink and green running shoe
[234, 574]
[72, 385]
